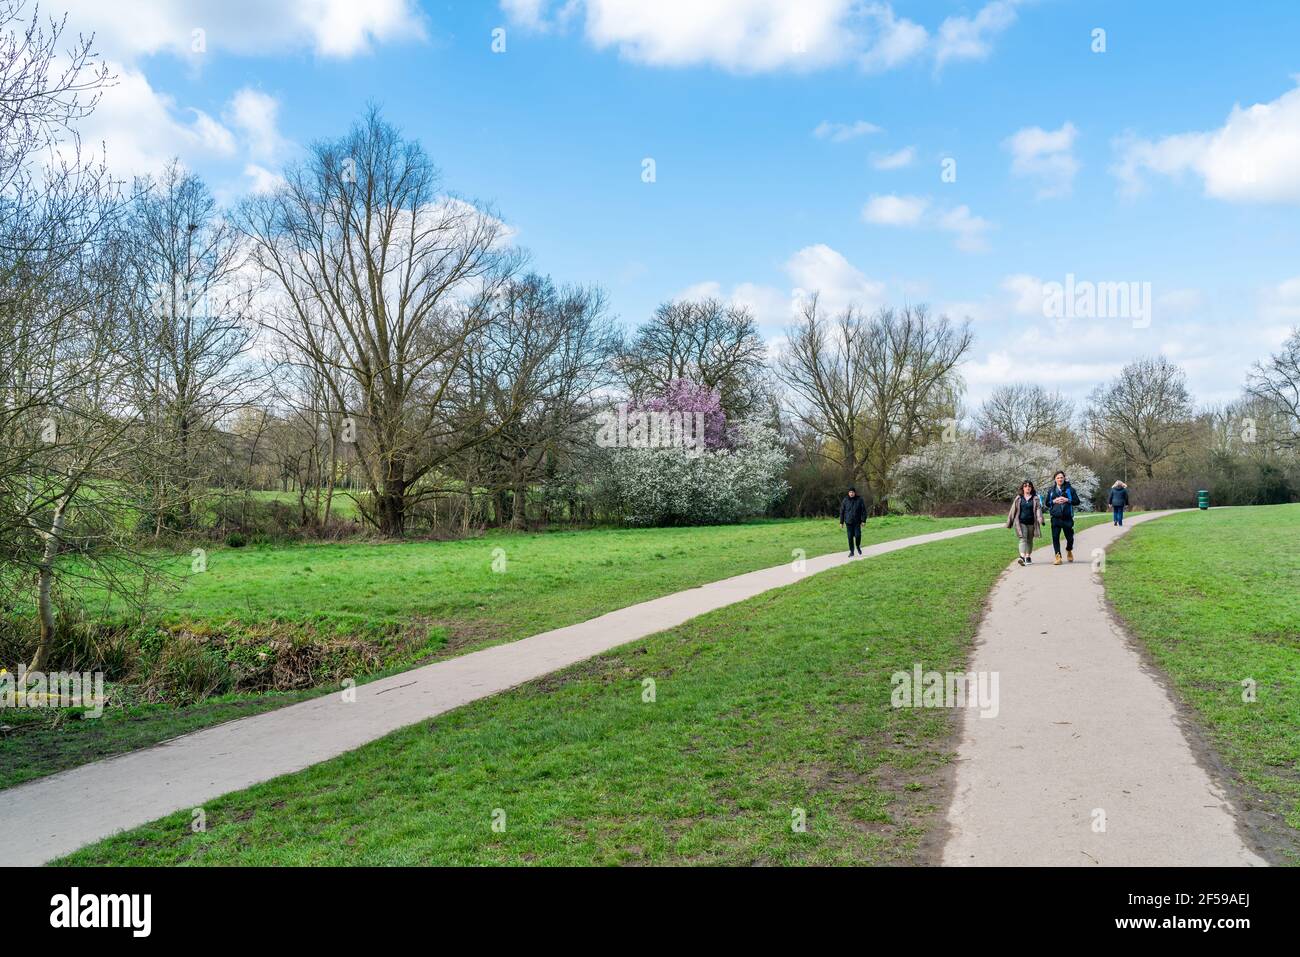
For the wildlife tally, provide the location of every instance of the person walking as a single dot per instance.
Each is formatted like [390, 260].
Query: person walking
[1062, 499]
[1118, 501]
[853, 512]
[1026, 518]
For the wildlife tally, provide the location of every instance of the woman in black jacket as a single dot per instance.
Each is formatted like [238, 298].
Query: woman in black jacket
[853, 512]
[1061, 501]
[1118, 501]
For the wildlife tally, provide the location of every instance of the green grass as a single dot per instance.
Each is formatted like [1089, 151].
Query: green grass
[777, 703]
[1215, 597]
[342, 506]
[549, 580]
[39, 744]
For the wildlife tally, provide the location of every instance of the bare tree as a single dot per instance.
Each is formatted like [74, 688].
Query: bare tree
[707, 342]
[71, 476]
[1145, 414]
[537, 368]
[48, 210]
[823, 365]
[876, 388]
[45, 88]
[1276, 382]
[1023, 413]
[190, 332]
[66, 430]
[382, 280]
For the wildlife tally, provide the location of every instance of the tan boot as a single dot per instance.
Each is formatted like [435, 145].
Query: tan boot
[1069, 555]
[1057, 561]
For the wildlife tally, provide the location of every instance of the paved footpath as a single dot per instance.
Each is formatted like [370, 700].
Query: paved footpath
[1083, 730]
[52, 816]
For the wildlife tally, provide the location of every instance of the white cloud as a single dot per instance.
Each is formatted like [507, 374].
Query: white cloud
[1046, 156]
[816, 269]
[526, 13]
[967, 38]
[772, 309]
[143, 127]
[138, 129]
[256, 114]
[895, 41]
[753, 36]
[843, 132]
[1280, 304]
[1253, 157]
[969, 229]
[892, 210]
[332, 28]
[262, 179]
[822, 270]
[1026, 294]
[895, 160]
[744, 37]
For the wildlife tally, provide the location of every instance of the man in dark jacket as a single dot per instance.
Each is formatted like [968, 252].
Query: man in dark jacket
[853, 512]
[1118, 501]
[1062, 499]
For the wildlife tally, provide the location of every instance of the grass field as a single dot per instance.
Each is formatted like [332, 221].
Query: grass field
[343, 505]
[1215, 597]
[499, 587]
[548, 580]
[773, 705]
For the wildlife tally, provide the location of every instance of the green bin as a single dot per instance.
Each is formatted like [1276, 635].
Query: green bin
[1203, 499]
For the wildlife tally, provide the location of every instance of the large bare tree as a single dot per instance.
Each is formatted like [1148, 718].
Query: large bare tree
[708, 342]
[382, 279]
[1276, 382]
[66, 427]
[873, 388]
[1145, 414]
[1022, 412]
[191, 332]
[537, 368]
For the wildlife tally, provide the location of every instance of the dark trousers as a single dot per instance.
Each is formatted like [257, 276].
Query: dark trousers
[1056, 537]
[1119, 514]
[855, 536]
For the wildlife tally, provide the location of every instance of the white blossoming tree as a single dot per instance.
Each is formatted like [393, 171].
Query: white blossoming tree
[682, 486]
[963, 469]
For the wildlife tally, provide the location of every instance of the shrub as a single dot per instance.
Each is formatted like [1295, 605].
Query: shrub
[967, 471]
[679, 486]
[187, 670]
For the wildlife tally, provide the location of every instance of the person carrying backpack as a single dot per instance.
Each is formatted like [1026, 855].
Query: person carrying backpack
[853, 512]
[1062, 500]
[1118, 501]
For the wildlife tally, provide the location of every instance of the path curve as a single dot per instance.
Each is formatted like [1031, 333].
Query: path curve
[1085, 735]
[53, 816]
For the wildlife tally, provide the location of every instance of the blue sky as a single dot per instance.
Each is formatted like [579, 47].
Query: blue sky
[797, 146]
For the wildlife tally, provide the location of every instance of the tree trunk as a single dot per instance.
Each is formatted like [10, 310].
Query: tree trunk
[186, 514]
[45, 581]
[519, 509]
[391, 507]
[330, 479]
